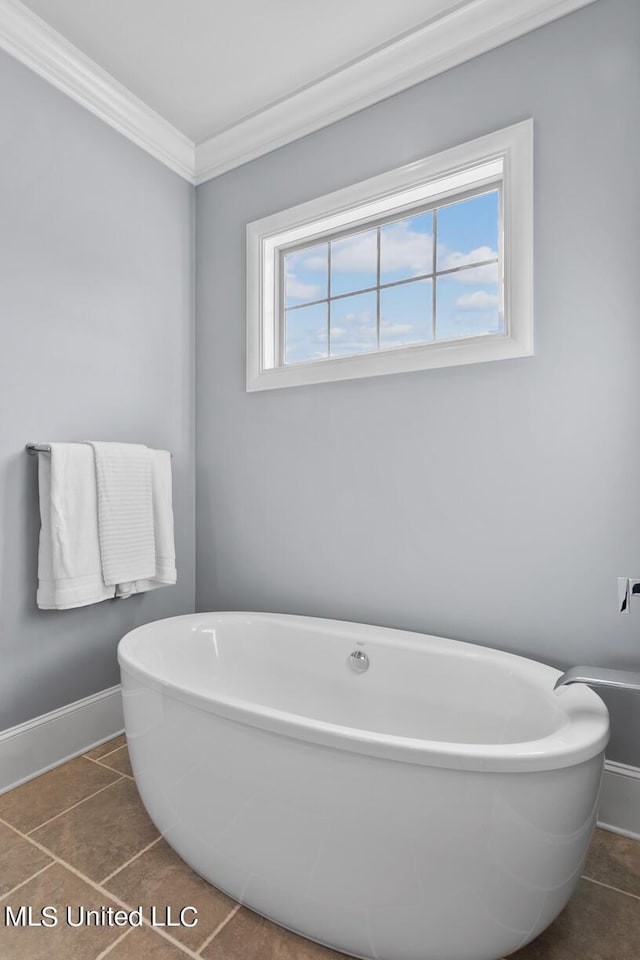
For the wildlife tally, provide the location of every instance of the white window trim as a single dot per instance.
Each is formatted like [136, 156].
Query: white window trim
[511, 149]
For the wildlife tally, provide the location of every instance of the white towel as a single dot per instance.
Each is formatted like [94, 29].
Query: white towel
[125, 512]
[69, 565]
[165, 551]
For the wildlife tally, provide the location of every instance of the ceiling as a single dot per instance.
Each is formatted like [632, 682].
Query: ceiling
[205, 65]
[207, 85]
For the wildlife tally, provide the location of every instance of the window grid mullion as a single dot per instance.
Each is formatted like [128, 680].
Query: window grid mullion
[280, 313]
[378, 289]
[395, 283]
[329, 262]
[434, 263]
[501, 254]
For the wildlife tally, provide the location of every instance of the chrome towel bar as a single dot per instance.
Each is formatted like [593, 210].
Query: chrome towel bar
[34, 448]
[38, 448]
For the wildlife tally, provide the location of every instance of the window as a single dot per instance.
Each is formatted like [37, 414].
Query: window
[425, 266]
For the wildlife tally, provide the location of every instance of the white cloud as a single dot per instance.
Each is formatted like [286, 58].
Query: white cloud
[478, 300]
[314, 263]
[364, 319]
[355, 332]
[406, 250]
[451, 259]
[298, 352]
[396, 328]
[402, 248]
[358, 253]
[298, 290]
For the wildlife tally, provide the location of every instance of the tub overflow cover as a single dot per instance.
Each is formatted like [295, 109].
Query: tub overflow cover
[359, 661]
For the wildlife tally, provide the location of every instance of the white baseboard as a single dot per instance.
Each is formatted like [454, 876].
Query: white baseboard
[620, 799]
[38, 745]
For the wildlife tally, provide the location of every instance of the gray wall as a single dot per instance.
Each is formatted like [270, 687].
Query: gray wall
[97, 341]
[496, 503]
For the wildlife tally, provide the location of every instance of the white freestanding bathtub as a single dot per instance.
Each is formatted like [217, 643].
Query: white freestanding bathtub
[436, 806]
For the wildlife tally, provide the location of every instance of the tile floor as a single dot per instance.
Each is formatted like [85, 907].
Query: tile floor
[79, 835]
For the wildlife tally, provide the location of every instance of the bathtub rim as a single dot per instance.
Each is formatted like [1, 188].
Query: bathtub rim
[583, 737]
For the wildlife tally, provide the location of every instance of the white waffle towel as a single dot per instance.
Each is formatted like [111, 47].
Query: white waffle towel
[125, 512]
[165, 551]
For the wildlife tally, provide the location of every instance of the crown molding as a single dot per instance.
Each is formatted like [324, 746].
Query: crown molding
[32, 41]
[467, 31]
[470, 28]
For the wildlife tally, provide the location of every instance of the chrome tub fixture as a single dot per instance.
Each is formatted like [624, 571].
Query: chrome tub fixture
[598, 677]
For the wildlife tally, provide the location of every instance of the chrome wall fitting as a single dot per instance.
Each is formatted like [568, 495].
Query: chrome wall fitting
[628, 587]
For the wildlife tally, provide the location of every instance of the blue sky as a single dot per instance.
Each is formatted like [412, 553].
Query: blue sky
[466, 301]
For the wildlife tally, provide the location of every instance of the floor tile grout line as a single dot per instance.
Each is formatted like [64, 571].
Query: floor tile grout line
[74, 805]
[100, 889]
[131, 860]
[180, 946]
[22, 882]
[626, 893]
[217, 930]
[107, 950]
[104, 766]
[102, 756]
